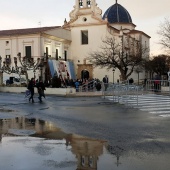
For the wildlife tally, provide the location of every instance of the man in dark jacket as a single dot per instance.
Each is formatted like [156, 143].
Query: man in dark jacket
[41, 88]
[30, 87]
[105, 81]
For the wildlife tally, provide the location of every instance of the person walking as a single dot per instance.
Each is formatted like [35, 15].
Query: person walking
[77, 84]
[105, 81]
[41, 88]
[31, 85]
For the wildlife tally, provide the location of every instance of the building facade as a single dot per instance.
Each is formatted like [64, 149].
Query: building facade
[73, 41]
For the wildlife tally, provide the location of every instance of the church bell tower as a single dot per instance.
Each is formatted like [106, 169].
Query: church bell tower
[85, 3]
[85, 7]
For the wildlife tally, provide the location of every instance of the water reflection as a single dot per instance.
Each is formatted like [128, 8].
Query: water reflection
[49, 148]
[86, 151]
[116, 151]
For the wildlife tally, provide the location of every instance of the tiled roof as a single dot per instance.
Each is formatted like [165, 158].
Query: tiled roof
[117, 13]
[138, 32]
[26, 31]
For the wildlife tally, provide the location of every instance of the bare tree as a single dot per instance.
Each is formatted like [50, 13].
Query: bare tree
[25, 64]
[116, 55]
[164, 33]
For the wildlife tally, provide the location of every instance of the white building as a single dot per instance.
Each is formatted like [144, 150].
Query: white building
[72, 42]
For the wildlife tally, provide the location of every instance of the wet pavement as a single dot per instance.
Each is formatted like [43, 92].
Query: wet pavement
[80, 133]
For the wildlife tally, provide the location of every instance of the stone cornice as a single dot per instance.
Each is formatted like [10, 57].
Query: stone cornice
[56, 38]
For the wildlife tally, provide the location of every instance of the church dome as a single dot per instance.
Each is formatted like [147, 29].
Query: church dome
[117, 13]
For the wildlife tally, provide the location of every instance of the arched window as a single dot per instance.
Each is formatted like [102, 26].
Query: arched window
[80, 3]
[89, 3]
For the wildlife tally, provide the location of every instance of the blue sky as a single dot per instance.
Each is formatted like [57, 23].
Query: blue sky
[146, 15]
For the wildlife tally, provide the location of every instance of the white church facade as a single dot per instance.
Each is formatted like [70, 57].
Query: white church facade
[64, 49]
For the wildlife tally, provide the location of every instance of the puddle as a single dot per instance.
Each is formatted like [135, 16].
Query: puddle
[33, 144]
[36, 144]
[167, 115]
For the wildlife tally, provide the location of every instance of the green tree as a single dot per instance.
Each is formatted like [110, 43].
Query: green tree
[158, 64]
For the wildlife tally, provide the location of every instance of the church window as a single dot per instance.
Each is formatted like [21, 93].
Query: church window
[56, 54]
[84, 19]
[65, 55]
[80, 3]
[8, 56]
[89, 3]
[84, 37]
[7, 52]
[28, 51]
[7, 42]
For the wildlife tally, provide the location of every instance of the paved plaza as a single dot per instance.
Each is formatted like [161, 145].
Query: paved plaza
[134, 136]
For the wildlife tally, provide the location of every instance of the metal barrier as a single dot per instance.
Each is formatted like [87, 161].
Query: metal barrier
[157, 86]
[88, 87]
[124, 92]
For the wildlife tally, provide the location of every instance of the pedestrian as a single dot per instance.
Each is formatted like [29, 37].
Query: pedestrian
[30, 87]
[105, 81]
[77, 84]
[157, 81]
[145, 82]
[41, 88]
[131, 81]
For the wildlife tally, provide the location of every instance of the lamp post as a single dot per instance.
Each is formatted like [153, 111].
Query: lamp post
[113, 75]
[41, 65]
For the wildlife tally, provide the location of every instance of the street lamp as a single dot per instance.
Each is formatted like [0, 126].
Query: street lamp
[41, 65]
[113, 75]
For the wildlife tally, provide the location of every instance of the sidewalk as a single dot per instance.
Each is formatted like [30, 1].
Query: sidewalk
[89, 94]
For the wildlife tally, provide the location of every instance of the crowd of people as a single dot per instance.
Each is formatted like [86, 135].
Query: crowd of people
[57, 82]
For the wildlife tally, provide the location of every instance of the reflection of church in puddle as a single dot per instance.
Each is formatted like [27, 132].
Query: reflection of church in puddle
[87, 150]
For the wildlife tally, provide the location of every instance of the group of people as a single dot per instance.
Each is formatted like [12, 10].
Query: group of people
[40, 87]
[87, 84]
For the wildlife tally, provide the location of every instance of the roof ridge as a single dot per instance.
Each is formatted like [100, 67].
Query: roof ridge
[23, 31]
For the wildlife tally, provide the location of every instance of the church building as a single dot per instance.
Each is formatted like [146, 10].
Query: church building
[63, 50]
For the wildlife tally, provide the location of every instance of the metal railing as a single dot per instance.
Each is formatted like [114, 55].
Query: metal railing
[88, 87]
[125, 92]
[157, 86]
